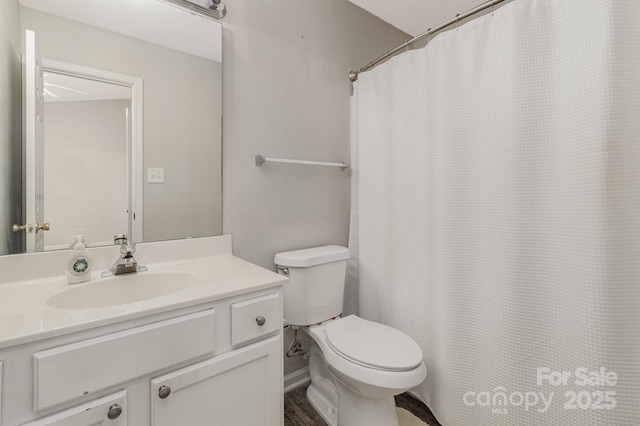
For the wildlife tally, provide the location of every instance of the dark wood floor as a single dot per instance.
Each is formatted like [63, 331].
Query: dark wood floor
[298, 411]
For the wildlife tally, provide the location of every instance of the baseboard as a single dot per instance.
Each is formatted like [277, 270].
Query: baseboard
[296, 379]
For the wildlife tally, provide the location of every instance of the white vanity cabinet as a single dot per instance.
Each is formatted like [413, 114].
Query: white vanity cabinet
[173, 368]
[235, 388]
[230, 389]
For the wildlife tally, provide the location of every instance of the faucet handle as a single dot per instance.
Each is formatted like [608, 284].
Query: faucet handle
[126, 247]
[127, 250]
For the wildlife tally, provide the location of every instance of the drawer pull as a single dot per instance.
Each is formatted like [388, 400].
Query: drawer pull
[114, 412]
[164, 391]
[260, 320]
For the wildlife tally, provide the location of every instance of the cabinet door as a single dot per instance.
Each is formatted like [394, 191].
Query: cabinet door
[239, 388]
[94, 413]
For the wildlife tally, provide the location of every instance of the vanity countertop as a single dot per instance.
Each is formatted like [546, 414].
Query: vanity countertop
[25, 315]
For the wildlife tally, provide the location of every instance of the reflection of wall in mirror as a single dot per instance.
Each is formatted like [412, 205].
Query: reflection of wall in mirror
[10, 126]
[85, 171]
[182, 110]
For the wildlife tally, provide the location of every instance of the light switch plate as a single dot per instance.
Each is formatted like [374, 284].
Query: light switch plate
[155, 175]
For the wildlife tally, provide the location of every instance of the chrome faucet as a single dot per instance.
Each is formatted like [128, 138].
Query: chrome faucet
[126, 263]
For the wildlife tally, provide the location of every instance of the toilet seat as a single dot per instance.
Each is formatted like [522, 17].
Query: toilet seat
[366, 380]
[373, 345]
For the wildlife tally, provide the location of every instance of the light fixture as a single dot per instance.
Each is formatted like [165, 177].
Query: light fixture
[218, 7]
[214, 9]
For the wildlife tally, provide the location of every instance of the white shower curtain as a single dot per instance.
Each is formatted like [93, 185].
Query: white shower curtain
[496, 213]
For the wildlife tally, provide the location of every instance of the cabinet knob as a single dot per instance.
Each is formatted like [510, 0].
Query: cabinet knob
[164, 391]
[260, 320]
[114, 412]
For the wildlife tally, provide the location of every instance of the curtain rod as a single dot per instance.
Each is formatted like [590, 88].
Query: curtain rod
[353, 75]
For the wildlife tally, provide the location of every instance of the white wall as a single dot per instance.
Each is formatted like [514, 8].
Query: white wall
[182, 109]
[10, 125]
[85, 170]
[286, 94]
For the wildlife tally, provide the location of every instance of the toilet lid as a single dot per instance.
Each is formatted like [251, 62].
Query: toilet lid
[373, 345]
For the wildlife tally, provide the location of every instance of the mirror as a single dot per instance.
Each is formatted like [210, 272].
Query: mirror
[131, 116]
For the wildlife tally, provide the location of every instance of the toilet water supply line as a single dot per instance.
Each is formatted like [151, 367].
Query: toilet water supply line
[295, 348]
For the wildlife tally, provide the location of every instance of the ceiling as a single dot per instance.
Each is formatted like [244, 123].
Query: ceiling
[416, 16]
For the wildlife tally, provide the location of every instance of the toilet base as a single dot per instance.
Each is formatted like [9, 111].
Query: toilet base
[340, 406]
[354, 410]
[322, 392]
[322, 406]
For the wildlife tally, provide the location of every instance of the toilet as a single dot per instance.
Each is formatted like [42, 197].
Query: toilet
[356, 366]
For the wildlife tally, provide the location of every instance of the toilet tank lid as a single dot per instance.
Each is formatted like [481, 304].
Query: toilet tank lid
[311, 256]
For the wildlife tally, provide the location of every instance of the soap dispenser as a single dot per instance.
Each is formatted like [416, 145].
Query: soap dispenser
[79, 267]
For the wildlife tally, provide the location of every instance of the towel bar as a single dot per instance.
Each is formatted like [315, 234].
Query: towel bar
[262, 159]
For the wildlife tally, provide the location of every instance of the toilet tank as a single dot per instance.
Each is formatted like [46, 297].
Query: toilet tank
[315, 289]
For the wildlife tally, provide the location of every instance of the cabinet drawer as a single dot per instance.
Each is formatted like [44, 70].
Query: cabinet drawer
[92, 413]
[72, 371]
[254, 318]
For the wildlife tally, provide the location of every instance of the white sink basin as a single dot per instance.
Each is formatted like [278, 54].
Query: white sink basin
[122, 289]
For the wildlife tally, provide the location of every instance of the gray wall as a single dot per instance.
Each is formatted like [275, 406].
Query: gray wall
[10, 125]
[181, 132]
[286, 94]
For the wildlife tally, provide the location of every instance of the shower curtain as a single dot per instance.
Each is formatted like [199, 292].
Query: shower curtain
[496, 213]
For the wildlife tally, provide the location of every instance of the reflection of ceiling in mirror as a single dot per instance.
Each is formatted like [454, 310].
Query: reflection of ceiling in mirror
[148, 20]
[64, 88]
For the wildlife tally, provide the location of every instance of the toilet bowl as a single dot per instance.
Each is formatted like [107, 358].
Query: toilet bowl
[357, 368]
